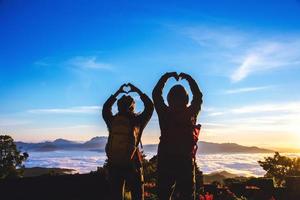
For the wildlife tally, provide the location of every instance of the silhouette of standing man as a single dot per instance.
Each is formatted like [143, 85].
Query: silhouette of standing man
[125, 131]
[176, 150]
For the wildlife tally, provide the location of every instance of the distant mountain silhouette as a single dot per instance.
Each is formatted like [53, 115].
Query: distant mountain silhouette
[98, 144]
[218, 176]
[209, 147]
[58, 144]
[61, 141]
[214, 148]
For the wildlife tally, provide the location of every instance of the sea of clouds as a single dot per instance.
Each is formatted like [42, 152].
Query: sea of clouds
[86, 161]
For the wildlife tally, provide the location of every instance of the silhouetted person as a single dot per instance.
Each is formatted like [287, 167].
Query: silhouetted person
[125, 131]
[176, 150]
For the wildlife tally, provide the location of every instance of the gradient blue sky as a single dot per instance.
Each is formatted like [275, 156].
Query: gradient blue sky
[60, 60]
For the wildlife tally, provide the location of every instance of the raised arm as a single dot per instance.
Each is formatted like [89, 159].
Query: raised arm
[145, 116]
[158, 90]
[196, 103]
[107, 106]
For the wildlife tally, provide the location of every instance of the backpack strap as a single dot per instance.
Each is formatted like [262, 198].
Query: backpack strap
[139, 141]
[141, 144]
[196, 133]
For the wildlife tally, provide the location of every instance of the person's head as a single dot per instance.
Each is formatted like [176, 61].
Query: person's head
[178, 97]
[126, 104]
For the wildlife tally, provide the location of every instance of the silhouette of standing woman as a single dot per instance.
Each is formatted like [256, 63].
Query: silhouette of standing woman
[125, 131]
[176, 150]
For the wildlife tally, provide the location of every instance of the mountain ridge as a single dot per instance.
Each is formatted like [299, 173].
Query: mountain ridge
[98, 144]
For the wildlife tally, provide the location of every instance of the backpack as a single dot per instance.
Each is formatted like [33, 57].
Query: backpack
[122, 143]
[181, 134]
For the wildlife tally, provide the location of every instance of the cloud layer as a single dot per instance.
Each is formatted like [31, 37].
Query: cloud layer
[246, 89]
[72, 110]
[88, 62]
[266, 56]
[256, 124]
[85, 161]
[249, 53]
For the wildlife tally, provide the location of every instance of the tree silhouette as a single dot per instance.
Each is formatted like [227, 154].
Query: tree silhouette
[279, 167]
[10, 158]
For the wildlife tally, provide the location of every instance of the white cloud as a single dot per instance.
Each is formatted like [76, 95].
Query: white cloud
[83, 163]
[13, 122]
[246, 89]
[255, 124]
[208, 109]
[267, 56]
[215, 113]
[215, 37]
[72, 110]
[271, 107]
[66, 128]
[44, 62]
[245, 52]
[77, 62]
[277, 109]
[214, 124]
[41, 63]
[88, 62]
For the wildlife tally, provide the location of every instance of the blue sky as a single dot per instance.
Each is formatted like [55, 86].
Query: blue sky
[60, 60]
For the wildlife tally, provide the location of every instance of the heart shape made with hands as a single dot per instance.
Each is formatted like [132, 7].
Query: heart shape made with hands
[178, 77]
[126, 89]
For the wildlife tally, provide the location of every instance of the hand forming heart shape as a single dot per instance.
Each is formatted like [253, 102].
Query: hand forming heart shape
[126, 89]
[180, 76]
[177, 77]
